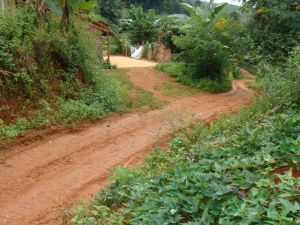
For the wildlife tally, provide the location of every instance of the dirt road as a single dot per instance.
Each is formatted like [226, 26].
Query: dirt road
[43, 177]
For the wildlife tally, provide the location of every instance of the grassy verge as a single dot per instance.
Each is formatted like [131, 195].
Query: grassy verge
[49, 77]
[256, 85]
[184, 75]
[173, 89]
[138, 99]
[242, 169]
[119, 95]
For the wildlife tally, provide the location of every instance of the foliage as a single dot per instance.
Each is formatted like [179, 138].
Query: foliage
[66, 9]
[184, 74]
[75, 111]
[39, 119]
[240, 170]
[169, 28]
[34, 56]
[274, 28]
[210, 44]
[39, 63]
[142, 28]
[110, 9]
[161, 6]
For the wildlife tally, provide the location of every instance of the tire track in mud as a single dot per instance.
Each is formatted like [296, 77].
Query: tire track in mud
[36, 183]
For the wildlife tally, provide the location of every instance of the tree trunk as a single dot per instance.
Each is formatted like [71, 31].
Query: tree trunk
[12, 5]
[65, 17]
[2, 7]
[108, 47]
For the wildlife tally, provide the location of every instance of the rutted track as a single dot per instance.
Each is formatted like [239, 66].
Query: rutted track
[44, 176]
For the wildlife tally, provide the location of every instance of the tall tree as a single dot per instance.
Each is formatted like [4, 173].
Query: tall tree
[142, 28]
[110, 10]
[168, 6]
[275, 26]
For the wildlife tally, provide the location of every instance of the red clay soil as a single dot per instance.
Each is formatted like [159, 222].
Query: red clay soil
[45, 176]
[284, 169]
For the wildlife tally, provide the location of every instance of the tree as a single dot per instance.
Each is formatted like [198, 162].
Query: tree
[168, 6]
[142, 28]
[275, 27]
[66, 8]
[208, 44]
[110, 10]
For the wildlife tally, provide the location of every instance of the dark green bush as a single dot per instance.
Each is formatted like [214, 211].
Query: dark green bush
[75, 111]
[187, 74]
[39, 63]
[274, 29]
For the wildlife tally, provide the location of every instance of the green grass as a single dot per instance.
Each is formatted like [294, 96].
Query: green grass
[118, 95]
[122, 96]
[138, 99]
[237, 75]
[184, 75]
[256, 85]
[174, 89]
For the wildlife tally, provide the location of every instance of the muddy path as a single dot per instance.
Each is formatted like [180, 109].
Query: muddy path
[44, 176]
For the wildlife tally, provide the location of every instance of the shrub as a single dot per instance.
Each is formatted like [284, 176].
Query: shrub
[209, 45]
[273, 39]
[39, 63]
[175, 69]
[75, 111]
[185, 74]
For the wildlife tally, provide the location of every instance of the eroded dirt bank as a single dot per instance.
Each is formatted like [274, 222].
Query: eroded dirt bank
[36, 183]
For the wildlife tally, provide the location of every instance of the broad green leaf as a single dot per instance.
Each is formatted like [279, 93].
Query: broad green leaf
[217, 10]
[54, 6]
[190, 9]
[88, 5]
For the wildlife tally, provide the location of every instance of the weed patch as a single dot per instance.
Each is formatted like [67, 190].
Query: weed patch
[138, 99]
[172, 89]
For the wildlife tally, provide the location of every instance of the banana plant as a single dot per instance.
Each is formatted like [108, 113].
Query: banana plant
[208, 14]
[66, 8]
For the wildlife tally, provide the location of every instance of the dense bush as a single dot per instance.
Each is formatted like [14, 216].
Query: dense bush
[184, 74]
[209, 46]
[241, 170]
[38, 63]
[170, 27]
[31, 50]
[274, 28]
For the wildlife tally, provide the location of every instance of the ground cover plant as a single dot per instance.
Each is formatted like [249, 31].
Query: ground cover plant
[241, 170]
[183, 74]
